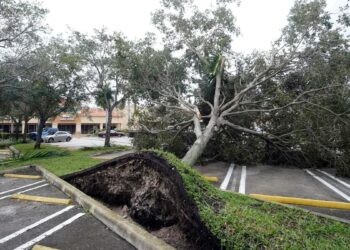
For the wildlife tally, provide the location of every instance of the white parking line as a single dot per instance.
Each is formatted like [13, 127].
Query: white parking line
[49, 232]
[11, 190]
[224, 184]
[242, 182]
[336, 190]
[24, 191]
[335, 178]
[25, 229]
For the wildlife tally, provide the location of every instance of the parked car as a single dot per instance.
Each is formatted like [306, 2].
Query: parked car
[113, 133]
[58, 136]
[46, 131]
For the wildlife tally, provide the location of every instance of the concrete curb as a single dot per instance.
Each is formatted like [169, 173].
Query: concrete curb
[121, 153]
[295, 207]
[131, 232]
[304, 202]
[305, 210]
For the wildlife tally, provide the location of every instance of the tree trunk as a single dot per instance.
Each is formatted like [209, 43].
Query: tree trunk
[17, 130]
[108, 127]
[24, 138]
[200, 144]
[39, 133]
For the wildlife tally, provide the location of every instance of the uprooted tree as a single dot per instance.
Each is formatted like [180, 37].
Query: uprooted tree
[208, 87]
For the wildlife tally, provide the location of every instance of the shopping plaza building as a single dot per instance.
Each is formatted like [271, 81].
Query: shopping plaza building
[85, 121]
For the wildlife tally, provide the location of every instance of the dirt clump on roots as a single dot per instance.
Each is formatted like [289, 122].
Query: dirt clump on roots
[151, 192]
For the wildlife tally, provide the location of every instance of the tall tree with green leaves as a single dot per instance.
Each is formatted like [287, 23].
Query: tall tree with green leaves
[55, 85]
[21, 24]
[105, 59]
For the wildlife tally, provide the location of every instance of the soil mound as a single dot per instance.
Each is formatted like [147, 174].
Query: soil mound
[152, 193]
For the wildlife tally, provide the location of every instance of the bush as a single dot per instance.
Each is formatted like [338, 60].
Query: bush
[168, 141]
[6, 143]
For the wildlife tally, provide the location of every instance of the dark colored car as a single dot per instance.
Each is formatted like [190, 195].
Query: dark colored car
[113, 133]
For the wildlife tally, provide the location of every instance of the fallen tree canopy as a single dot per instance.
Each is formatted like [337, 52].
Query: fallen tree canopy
[161, 192]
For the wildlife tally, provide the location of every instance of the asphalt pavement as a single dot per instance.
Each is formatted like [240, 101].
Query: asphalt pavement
[283, 181]
[4, 154]
[26, 223]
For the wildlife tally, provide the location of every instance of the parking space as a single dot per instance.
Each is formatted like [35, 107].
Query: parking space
[215, 169]
[289, 182]
[93, 141]
[5, 153]
[26, 223]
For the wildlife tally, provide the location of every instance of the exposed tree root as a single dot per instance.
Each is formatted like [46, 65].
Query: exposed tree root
[155, 196]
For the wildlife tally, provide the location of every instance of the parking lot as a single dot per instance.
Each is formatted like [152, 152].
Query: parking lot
[27, 223]
[5, 153]
[283, 181]
[93, 141]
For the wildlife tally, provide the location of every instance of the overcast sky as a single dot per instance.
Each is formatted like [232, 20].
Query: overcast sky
[260, 21]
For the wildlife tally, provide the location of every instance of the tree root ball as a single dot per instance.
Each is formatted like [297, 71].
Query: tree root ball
[153, 192]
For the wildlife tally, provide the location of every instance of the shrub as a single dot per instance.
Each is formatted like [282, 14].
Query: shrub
[6, 143]
[177, 144]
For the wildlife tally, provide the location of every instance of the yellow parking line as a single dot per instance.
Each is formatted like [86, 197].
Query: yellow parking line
[39, 247]
[211, 178]
[57, 201]
[23, 176]
[305, 202]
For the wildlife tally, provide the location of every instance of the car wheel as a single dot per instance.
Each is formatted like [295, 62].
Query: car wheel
[68, 139]
[51, 140]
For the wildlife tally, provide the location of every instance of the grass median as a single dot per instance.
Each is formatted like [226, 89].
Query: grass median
[58, 160]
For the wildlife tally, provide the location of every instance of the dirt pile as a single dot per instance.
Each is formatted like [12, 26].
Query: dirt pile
[155, 197]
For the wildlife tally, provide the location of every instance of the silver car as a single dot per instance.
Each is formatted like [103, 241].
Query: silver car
[58, 136]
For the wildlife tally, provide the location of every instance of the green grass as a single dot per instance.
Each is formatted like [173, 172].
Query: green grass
[241, 222]
[62, 162]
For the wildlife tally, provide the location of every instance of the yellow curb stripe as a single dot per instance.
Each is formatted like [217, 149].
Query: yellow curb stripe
[305, 202]
[39, 247]
[211, 178]
[23, 176]
[57, 201]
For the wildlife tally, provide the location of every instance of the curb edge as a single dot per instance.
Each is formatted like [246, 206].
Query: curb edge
[131, 232]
